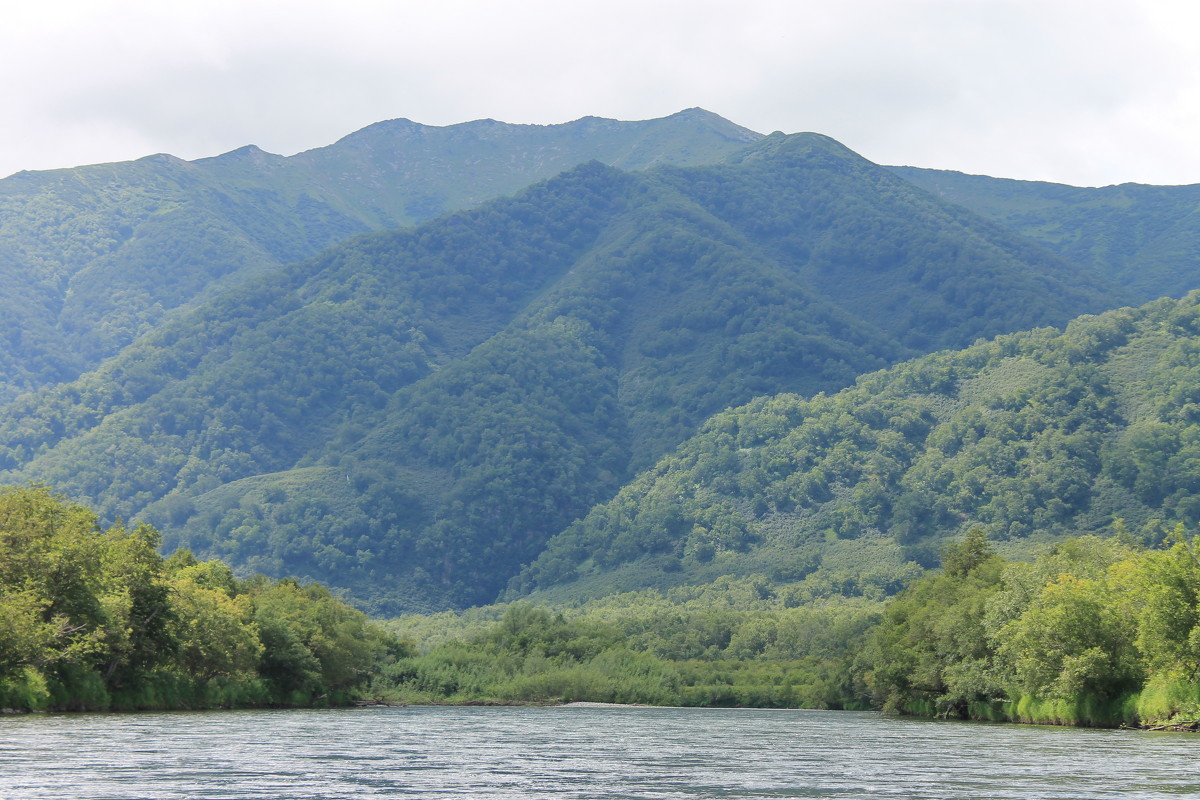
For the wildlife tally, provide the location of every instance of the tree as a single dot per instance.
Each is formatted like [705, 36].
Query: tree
[1072, 643]
[958, 560]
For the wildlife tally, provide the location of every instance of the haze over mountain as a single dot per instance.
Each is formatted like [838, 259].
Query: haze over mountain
[92, 257]
[412, 415]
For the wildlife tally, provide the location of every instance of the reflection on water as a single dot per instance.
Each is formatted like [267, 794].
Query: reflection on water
[592, 753]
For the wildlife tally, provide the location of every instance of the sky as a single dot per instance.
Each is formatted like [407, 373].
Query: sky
[1087, 93]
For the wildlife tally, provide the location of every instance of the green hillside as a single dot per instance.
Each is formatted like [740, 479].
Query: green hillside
[412, 415]
[93, 257]
[928, 273]
[1145, 238]
[1030, 437]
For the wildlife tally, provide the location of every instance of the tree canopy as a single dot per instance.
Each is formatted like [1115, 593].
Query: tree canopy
[95, 618]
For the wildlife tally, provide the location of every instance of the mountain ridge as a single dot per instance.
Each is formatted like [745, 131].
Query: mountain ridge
[431, 476]
[95, 256]
[1141, 236]
[426, 415]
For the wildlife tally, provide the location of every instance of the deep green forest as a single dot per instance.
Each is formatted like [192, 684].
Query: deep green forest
[94, 257]
[1144, 238]
[1031, 437]
[412, 415]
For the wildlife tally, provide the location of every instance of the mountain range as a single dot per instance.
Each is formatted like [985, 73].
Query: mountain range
[92, 257]
[529, 392]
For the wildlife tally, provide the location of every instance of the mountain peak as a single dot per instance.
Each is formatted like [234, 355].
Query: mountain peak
[813, 147]
[249, 152]
[165, 158]
[401, 127]
[405, 128]
[717, 123]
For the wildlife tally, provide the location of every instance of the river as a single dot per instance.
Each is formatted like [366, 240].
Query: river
[573, 752]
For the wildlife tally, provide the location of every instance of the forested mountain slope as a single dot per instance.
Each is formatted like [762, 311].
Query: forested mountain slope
[1030, 437]
[927, 272]
[92, 257]
[411, 415]
[1145, 238]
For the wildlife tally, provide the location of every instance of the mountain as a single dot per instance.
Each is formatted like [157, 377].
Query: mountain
[1144, 238]
[92, 257]
[1030, 437]
[411, 415]
[929, 273]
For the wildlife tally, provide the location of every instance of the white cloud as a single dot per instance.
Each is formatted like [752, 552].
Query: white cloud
[1090, 93]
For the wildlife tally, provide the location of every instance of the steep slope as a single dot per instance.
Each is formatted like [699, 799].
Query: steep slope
[1145, 238]
[929, 273]
[1031, 436]
[249, 373]
[412, 415]
[94, 256]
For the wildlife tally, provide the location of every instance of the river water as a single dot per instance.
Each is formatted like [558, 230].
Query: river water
[572, 752]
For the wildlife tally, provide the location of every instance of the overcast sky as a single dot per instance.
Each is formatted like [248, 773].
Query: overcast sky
[1089, 93]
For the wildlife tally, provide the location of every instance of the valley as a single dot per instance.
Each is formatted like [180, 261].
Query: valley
[697, 391]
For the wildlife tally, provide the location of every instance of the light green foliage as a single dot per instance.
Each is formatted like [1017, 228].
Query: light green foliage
[931, 651]
[1071, 641]
[215, 632]
[961, 558]
[93, 618]
[1090, 633]
[732, 642]
[314, 643]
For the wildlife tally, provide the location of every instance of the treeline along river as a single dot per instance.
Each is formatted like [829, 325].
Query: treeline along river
[578, 752]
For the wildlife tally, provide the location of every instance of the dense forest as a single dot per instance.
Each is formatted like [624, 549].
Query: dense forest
[93, 257]
[1142, 237]
[94, 619]
[720, 418]
[413, 414]
[1031, 436]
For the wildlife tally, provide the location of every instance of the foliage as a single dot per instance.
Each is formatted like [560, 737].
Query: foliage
[1074, 637]
[733, 642]
[1080, 635]
[888, 253]
[94, 619]
[1137, 235]
[1034, 436]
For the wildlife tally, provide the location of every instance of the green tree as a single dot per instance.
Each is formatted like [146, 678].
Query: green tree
[1072, 643]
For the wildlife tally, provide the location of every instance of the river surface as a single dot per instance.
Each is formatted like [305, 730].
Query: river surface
[572, 752]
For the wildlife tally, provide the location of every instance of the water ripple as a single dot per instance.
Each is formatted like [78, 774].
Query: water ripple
[584, 753]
